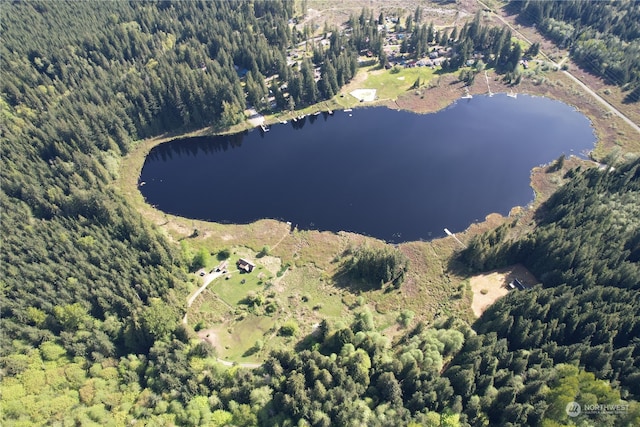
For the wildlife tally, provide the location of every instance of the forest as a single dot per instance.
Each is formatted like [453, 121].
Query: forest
[603, 36]
[92, 293]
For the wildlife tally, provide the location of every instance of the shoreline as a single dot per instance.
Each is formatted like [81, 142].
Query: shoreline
[430, 283]
[446, 94]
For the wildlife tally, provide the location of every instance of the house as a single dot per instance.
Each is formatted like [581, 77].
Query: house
[517, 284]
[245, 265]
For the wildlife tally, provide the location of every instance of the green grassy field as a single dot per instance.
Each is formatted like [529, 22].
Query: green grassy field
[299, 294]
[390, 84]
[235, 341]
[233, 290]
[307, 294]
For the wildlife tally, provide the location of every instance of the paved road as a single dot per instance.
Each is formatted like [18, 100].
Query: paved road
[598, 98]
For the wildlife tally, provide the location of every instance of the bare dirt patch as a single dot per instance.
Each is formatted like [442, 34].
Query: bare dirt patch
[367, 95]
[488, 287]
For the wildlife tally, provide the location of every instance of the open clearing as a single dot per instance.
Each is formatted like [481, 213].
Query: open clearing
[488, 287]
[254, 117]
[366, 95]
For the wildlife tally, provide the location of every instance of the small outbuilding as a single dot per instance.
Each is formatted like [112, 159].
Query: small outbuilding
[221, 267]
[245, 265]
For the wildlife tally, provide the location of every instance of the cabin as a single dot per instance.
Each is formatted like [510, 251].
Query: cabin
[517, 284]
[245, 265]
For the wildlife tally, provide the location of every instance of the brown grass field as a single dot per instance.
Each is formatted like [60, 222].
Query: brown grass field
[489, 287]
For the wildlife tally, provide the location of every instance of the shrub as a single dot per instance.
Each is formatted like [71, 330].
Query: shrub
[200, 260]
[224, 254]
[405, 318]
[289, 329]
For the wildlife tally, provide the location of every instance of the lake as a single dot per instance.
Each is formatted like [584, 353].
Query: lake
[394, 175]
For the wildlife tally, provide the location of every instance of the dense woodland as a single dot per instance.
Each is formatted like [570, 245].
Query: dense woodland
[92, 293]
[374, 267]
[596, 212]
[603, 36]
[472, 40]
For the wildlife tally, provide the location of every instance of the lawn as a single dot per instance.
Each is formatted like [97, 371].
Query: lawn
[233, 290]
[390, 84]
[305, 291]
[236, 339]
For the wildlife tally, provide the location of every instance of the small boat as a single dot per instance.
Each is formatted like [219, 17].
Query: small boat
[264, 128]
[330, 112]
[317, 113]
[347, 110]
[284, 122]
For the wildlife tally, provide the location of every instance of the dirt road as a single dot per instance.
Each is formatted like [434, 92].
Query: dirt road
[207, 279]
[603, 102]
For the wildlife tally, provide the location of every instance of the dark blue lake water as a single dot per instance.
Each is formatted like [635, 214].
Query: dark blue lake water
[394, 175]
